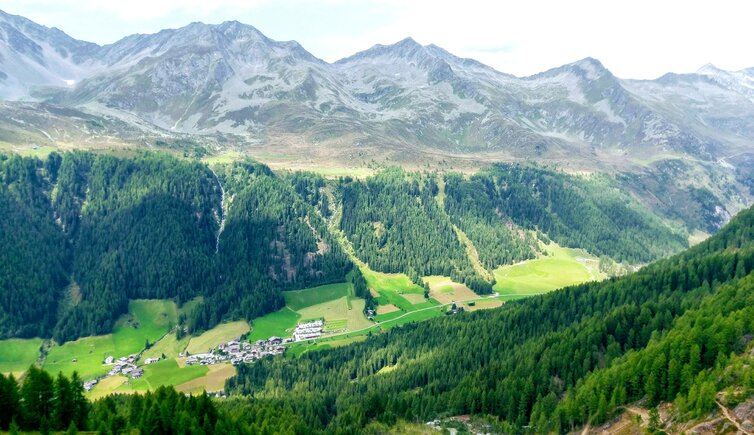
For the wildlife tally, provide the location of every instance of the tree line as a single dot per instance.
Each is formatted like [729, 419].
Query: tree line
[45, 403]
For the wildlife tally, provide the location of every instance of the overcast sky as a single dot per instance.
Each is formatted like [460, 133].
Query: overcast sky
[634, 39]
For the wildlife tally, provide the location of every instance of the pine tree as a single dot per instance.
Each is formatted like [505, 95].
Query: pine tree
[13, 429]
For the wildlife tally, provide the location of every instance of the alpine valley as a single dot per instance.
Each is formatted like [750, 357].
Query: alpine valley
[402, 241]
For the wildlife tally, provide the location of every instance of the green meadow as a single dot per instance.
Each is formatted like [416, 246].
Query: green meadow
[335, 303]
[299, 299]
[219, 334]
[561, 267]
[396, 289]
[165, 372]
[146, 321]
[280, 323]
[17, 354]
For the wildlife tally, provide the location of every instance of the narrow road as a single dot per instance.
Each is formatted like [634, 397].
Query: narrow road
[377, 324]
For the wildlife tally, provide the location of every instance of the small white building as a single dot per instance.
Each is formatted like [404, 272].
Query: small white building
[109, 360]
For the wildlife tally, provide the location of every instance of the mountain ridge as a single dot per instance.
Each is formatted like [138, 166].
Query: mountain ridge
[229, 87]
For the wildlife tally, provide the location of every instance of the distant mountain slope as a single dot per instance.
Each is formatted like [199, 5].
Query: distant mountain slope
[34, 56]
[230, 86]
[589, 213]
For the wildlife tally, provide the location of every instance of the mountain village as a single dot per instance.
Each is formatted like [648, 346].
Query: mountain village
[234, 352]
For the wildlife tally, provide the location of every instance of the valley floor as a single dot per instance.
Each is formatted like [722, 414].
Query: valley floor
[148, 331]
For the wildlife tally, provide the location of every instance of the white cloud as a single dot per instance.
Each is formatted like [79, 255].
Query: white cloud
[635, 39]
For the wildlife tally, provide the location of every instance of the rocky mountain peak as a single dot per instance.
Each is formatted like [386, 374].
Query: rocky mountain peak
[406, 49]
[709, 69]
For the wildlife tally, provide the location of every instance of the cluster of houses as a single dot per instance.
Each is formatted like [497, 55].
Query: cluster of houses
[125, 366]
[237, 352]
[308, 330]
[88, 385]
[234, 351]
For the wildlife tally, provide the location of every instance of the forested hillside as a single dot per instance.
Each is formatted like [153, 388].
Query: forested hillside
[273, 240]
[84, 233]
[589, 213]
[396, 225]
[140, 228]
[552, 362]
[45, 403]
[473, 206]
[34, 258]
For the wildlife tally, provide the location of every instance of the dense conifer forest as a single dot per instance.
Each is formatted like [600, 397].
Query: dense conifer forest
[273, 240]
[589, 213]
[45, 403]
[552, 362]
[396, 225]
[84, 233]
[35, 257]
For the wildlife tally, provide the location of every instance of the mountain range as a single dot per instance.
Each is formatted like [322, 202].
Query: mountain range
[228, 86]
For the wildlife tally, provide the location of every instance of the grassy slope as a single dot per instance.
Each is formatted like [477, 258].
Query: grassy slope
[561, 267]
[280, 323]
[165, 372]
[214, 380]
[445, 291]
[392, 289]
[168, 346]
[219, 334]
[148, 320]
[17, 354]
[299, 299]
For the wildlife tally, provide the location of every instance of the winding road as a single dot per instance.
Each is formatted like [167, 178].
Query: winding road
[377, 324]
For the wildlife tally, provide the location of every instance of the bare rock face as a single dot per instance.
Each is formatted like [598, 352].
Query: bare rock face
[744, 413]
[230, 78]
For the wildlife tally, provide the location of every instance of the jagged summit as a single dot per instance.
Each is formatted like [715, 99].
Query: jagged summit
[588, 67]
[708, 68]
[406, 48]
[229, 78]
